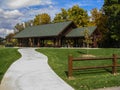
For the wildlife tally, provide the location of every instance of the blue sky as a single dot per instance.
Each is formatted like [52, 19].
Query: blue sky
[18, 11]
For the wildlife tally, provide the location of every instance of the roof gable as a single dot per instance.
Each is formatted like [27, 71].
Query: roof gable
[43, 30]
[79, 32]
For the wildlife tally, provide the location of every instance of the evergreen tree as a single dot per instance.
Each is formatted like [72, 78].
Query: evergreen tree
[111, 9]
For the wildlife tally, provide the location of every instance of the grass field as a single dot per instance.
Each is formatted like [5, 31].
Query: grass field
[7, 57]
[84, 79]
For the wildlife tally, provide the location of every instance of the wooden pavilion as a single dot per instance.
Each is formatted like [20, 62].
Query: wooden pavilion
[63, 34]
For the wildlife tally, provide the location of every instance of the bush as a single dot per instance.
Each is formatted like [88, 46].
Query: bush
[9, 45]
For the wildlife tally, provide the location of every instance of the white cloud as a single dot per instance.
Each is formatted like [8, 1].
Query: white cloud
[30, 13]
[45, 2]
[17, 11]
[51, 10]
[15, 4]
[8, 19]
[4, 32]
[10, 14]
[1, 10]
[89, 13]
[22, 3]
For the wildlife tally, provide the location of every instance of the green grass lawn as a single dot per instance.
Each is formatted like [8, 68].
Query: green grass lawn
[84, 79]
[7, 57]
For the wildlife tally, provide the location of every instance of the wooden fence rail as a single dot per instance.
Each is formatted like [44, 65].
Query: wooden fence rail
[71, 68]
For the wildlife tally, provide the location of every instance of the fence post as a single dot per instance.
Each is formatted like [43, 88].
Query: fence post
[114, 62]
[70, 58]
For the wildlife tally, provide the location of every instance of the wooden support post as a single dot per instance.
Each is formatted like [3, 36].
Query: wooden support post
[30, 42]
[38, 42]
[70, 58]
[19, 42]
[114, 71]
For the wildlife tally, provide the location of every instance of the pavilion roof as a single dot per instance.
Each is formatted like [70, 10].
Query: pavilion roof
[54, 29]
[44, 30]
[79, 32]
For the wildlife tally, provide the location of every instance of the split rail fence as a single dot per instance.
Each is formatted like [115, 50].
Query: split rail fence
[114, 64]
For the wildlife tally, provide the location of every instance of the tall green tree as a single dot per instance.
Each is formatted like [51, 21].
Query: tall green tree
[42, 19]
[95, 15]
[62, 16]
[111, 8]
[76, 14]
[99, 19]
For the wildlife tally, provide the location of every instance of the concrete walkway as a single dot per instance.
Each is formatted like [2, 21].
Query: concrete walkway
[32, 72]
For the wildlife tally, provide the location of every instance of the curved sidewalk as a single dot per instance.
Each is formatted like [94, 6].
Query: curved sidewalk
[32, 72]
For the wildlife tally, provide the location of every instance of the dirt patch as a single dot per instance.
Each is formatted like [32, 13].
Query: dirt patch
[88, 55]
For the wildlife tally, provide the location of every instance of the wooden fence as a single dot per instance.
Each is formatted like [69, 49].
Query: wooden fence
[114, 64]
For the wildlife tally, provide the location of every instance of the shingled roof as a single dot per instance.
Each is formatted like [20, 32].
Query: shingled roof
[79, 32]
[43, 30]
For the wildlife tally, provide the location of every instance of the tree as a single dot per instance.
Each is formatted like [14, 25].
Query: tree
[10, 41]
[1, 40]
[42, 19]
[99, 19]
[19, 27]
[38, 20]
[88, 39]
[95, 15]
[111, 8]
[76, 14]
[9, 37]
[62, 16]
[29, 23]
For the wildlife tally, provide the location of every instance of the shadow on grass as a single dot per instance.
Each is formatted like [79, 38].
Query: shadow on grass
[90, 72]
[81, 52]
[1, 73]
[93, 71]
[66, 73]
